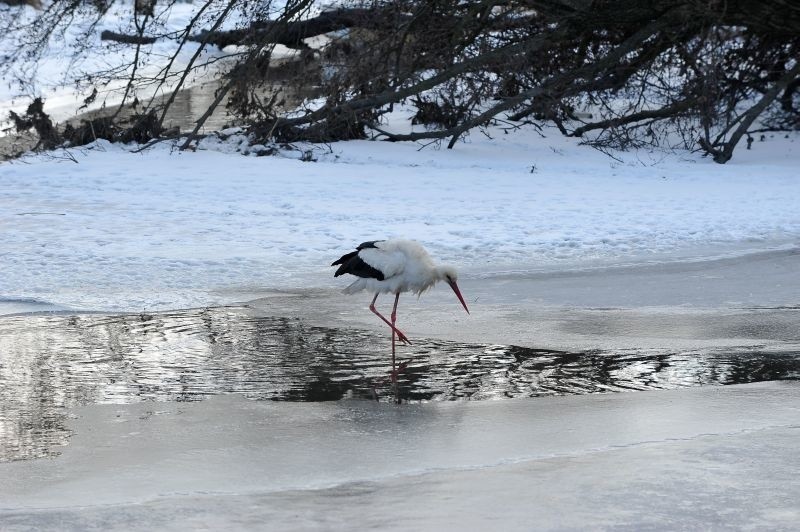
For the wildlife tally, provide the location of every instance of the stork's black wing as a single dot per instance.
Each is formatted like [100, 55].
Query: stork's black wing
[351, 263]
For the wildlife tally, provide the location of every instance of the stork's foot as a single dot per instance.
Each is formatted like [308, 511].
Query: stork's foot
[402, 337]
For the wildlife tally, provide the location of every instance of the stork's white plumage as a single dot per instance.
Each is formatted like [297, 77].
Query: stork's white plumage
[394, 266]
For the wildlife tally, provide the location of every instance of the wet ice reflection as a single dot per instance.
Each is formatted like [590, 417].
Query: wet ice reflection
[51, 362]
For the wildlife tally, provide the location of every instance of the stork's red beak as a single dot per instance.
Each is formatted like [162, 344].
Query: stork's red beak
[454, 286]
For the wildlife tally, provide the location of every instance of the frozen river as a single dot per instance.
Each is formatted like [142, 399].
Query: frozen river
[229, 418]
[263, 414]
[259, 411]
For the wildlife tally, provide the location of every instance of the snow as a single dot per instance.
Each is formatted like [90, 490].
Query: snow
[712, 457]
[115, 230]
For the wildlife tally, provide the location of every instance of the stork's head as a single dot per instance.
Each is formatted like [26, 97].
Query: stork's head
[449, 275]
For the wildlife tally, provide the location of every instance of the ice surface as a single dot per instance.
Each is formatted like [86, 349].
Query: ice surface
[709, 457]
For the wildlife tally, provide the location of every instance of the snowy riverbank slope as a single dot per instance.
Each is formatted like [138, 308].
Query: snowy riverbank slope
[113, 230]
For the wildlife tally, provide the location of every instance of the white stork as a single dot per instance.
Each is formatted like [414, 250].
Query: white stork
[394, 266]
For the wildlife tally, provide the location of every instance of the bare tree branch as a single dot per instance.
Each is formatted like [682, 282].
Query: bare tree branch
[663, 112]
[640, 72]
[725, 154]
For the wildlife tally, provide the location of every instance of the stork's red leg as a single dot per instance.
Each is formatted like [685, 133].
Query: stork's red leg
[394, 320]
[400, 335]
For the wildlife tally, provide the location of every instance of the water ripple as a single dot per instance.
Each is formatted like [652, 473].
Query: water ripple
[49, 363]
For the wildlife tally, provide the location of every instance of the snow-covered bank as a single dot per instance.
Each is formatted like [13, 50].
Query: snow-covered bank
[696, 458]
[115, 230]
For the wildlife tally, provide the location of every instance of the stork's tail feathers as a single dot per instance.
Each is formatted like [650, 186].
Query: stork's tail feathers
[341, 262]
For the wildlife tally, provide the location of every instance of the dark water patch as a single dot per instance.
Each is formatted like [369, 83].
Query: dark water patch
[16, 305]
[51, 362]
